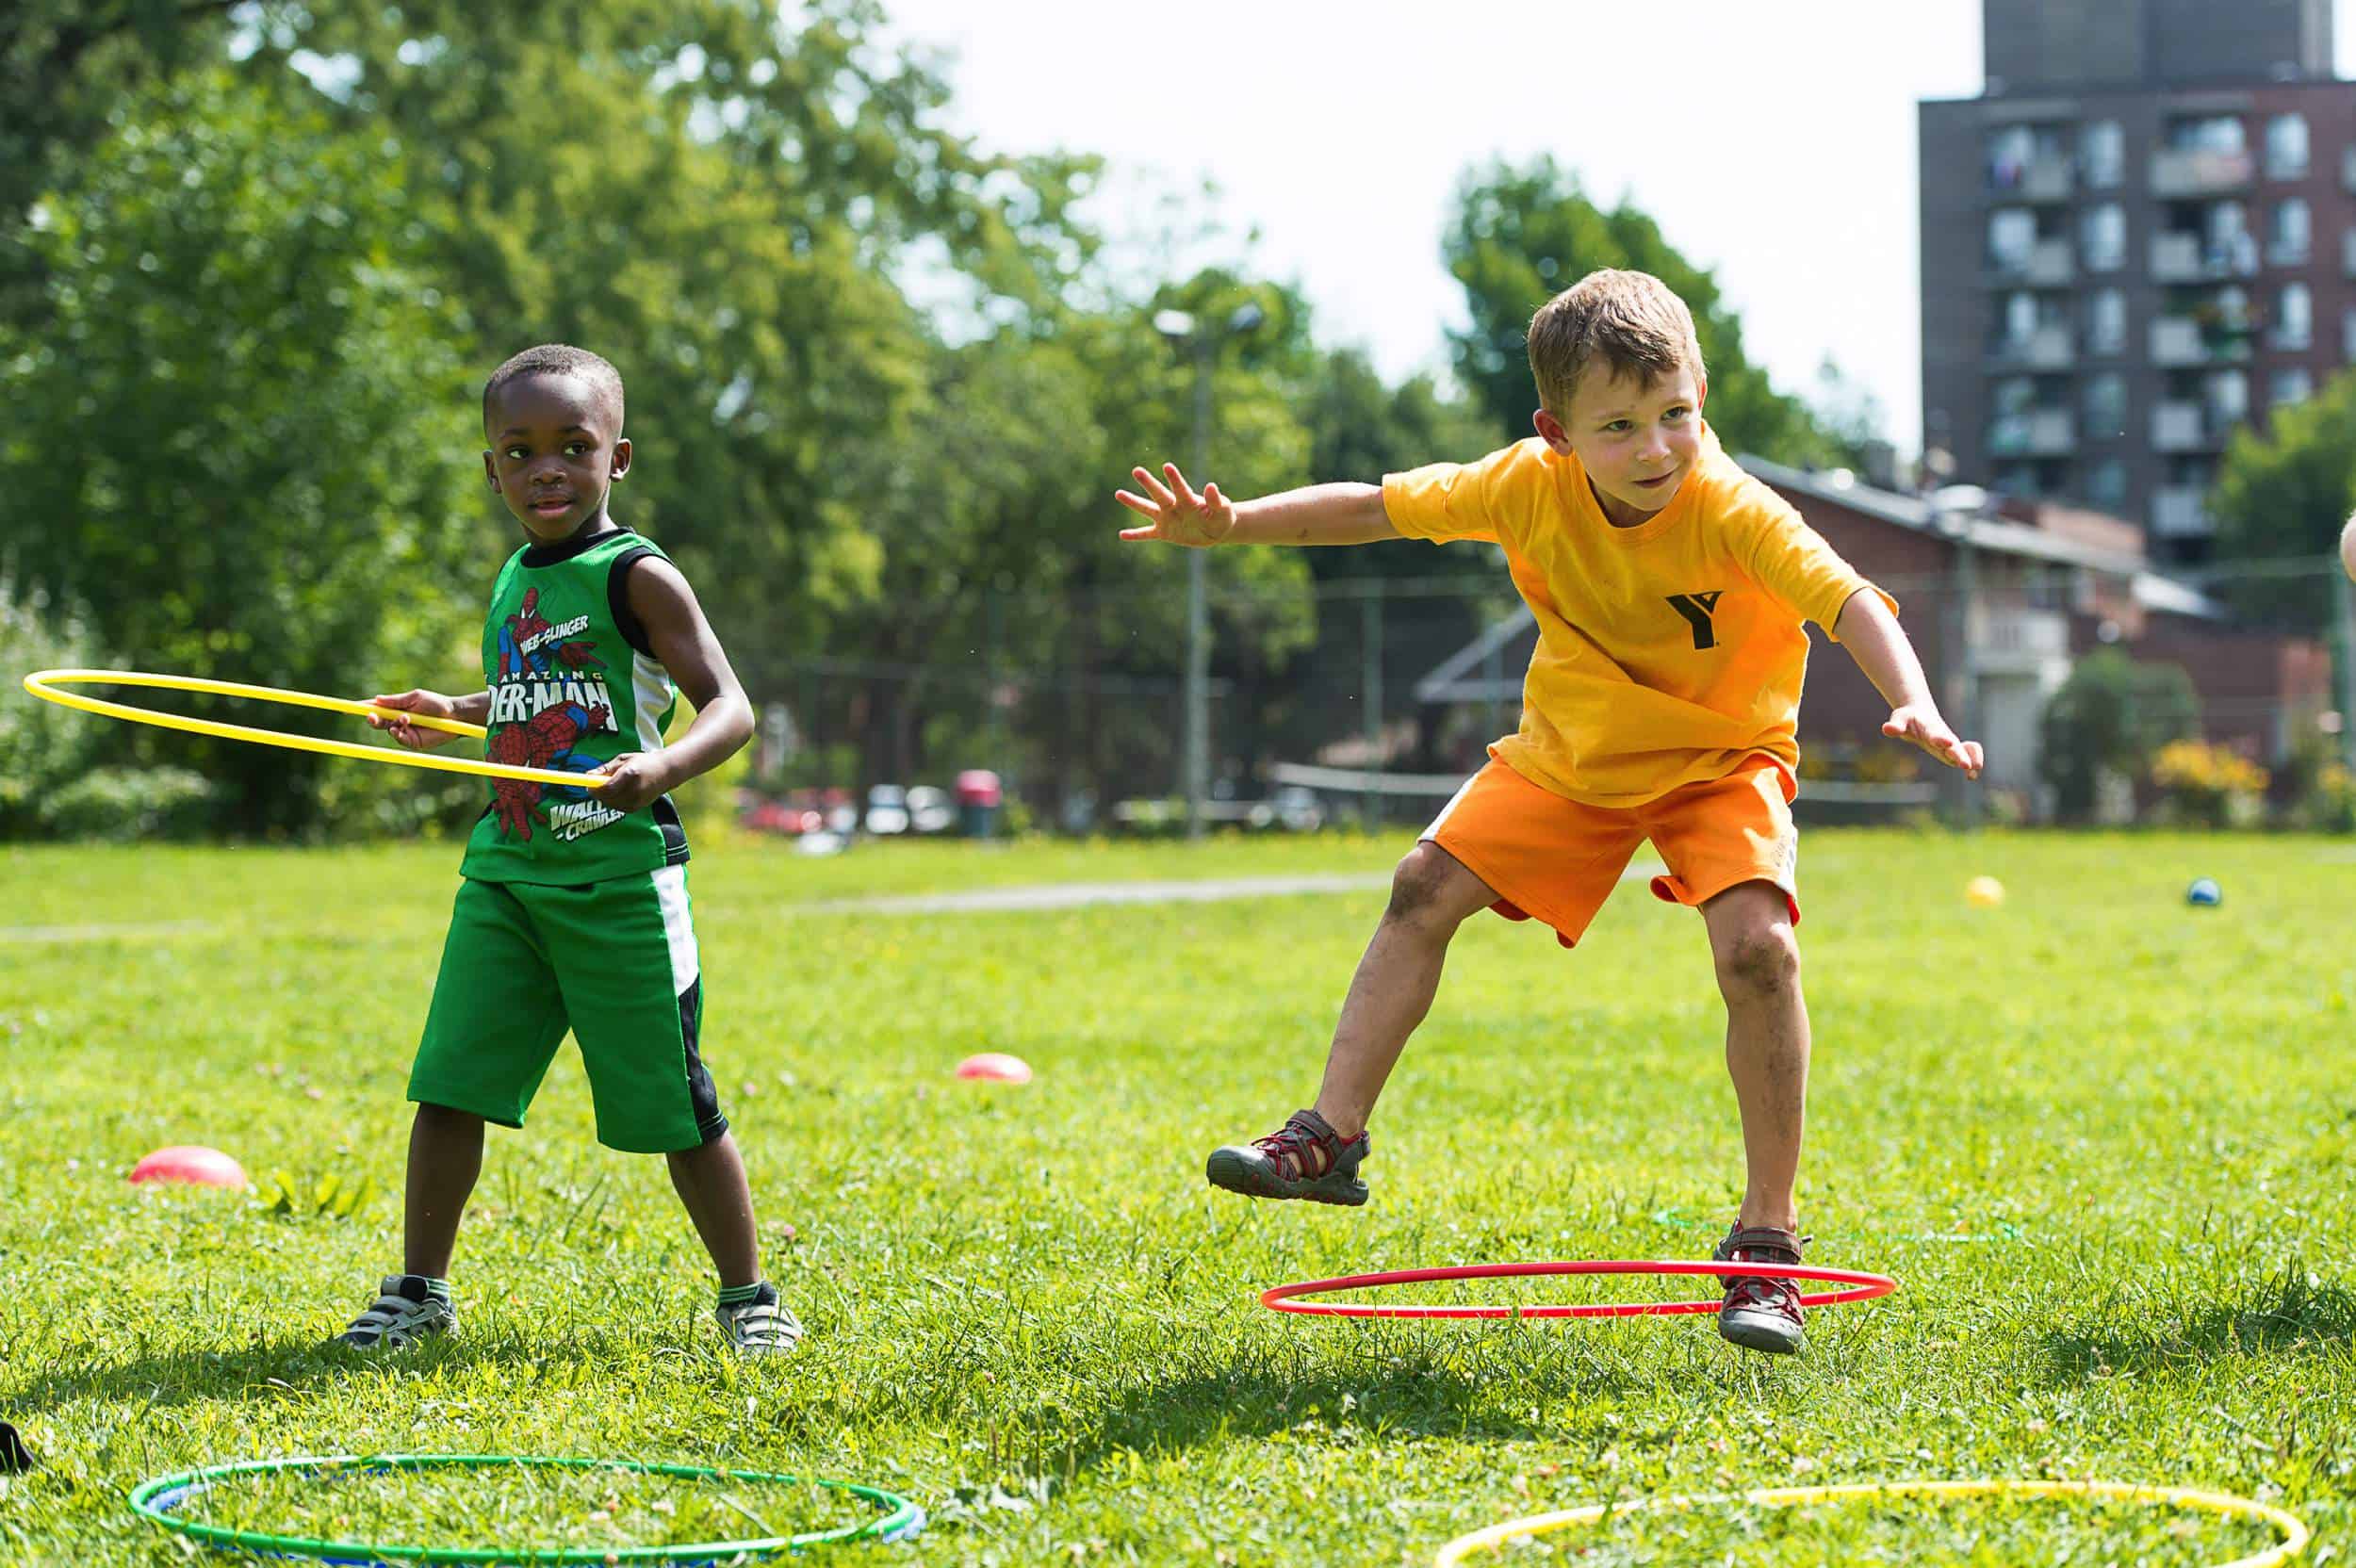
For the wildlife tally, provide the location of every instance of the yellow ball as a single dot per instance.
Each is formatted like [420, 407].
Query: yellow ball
[1984, 892]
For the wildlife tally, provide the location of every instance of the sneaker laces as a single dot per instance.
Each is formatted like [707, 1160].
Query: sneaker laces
[1303, 1149]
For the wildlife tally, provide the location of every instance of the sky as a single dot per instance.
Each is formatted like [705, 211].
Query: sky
[1774, 143]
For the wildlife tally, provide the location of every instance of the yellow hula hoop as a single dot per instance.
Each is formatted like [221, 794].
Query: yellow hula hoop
[43, 684]
[2293, 1533]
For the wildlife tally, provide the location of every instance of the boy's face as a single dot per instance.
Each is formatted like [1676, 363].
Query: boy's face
[556, 449]
[1636, 437]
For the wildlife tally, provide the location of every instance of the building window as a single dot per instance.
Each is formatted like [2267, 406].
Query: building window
[2348, 334]
[2216, 133]
[2103, 236]
[2294, 317]
[2227, 395]
[2106, 322]
[2106, 405]
[2012, 238]
[2008, 154]
[2292, 385]
[2015, 396]
[2288, 246]
[2106, 484]
[2286, 147]
[2102, 152]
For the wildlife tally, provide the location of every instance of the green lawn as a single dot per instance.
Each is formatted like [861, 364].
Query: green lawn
[2104, 1141]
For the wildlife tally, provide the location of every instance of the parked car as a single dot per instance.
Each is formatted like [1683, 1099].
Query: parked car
[929, 810]
[887, 810]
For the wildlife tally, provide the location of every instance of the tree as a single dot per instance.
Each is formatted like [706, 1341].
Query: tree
[64, 67]
[724, 203]
[2285, 496]
[1521, 235]
[230, 444]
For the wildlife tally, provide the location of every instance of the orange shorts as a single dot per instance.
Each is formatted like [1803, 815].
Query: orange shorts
[1557, 860]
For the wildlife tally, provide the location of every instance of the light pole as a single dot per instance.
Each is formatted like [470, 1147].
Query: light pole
[1202, 341]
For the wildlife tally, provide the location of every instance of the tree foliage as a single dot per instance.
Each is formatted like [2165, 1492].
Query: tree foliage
[231, 442]
[2285, 495]
[1524, 233]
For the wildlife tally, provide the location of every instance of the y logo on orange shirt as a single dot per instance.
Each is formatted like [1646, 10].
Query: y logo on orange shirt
[1697, 609]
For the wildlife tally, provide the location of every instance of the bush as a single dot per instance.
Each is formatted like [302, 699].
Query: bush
[43, 747]
[2108, 718]
[130, 803]
[2209, 786]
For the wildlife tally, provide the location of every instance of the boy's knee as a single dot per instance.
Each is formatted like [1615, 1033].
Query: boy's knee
[1419, 888]
[1760, 962]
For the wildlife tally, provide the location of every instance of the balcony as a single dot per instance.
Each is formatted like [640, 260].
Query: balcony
[2348, 253]
[2181, 512]
[2039, 433]
[2189, 259]
[2288, 252]
[2008, 640]
[2181, 340]
[2182, 426]
[2347, 169]
[2048, 264]
[2292, 336]
[2048, 179]
[2179, 172]
[2046, 349]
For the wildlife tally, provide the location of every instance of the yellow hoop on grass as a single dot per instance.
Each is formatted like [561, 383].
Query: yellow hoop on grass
[2294, 1534]
[42, 684]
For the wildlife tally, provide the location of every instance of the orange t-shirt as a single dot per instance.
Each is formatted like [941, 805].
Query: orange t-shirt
[1668, 653]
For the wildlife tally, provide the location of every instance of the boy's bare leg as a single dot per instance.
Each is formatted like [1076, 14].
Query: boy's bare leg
[1432, 894]
[1758, 958]
[710, 1182]
[445, 1158]
[1316, 1152]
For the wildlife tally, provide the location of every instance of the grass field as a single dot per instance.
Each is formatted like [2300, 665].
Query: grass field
[2106, 1143]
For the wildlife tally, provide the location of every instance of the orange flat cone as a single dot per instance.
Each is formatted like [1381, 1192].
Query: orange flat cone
[192, 1164]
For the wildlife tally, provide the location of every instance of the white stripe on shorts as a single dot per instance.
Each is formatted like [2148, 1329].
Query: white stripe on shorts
[678, 927]
[1433, 831]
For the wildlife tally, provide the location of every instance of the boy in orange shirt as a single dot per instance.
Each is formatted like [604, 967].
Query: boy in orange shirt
[1670, 589]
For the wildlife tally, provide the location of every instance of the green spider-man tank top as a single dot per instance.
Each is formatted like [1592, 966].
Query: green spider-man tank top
[573, 684]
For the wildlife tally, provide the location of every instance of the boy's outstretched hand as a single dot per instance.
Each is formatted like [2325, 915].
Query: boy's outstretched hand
[1178, 516]
[1920, 725]
[417, 737]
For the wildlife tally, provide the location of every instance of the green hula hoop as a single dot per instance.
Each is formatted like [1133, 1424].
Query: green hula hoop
[158, 1500]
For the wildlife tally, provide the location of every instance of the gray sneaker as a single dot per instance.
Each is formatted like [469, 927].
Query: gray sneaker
[1760, 1311]
[405, 1312]
[1304, 1158]
[760, 1326]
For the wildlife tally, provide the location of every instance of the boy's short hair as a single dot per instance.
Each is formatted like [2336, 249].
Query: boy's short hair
[558, 359]
[1632, 324]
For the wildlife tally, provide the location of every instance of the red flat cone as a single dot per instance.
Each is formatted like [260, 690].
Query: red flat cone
[996, 1067]
[192, 1164]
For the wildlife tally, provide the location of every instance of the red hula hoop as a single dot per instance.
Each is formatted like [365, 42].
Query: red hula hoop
[1861, 1287]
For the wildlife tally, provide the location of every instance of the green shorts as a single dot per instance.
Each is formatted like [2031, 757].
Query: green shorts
[615, 962]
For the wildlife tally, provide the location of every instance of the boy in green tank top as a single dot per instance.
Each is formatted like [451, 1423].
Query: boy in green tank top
[573, 911]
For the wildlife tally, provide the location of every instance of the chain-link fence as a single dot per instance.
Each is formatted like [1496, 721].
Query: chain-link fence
[2104, 690]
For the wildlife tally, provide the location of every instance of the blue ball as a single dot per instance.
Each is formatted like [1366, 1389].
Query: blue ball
[2205, 893]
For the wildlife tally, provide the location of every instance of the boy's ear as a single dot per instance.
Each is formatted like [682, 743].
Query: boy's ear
[1701, 390]
[1550, 431]
[490, 469]
[621, 457]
